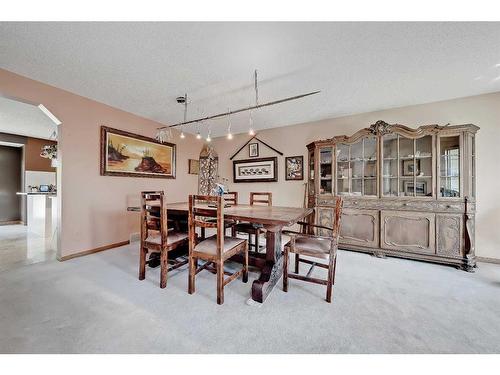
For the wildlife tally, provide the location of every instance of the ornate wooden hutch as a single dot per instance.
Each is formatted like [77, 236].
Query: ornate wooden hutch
[407, 192]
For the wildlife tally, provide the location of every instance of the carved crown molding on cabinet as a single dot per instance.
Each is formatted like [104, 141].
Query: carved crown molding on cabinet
[383, 128]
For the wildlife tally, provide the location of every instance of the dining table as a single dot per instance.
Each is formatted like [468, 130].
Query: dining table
[273, 219]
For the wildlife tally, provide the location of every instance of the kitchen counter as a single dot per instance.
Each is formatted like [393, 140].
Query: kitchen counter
[41, 213]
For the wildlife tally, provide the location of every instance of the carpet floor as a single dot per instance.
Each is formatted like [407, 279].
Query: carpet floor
[96, 304]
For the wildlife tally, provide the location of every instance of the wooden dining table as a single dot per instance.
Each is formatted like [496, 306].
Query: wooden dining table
[273, 219]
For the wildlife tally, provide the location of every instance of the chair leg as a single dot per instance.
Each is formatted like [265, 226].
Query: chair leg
[202, 233]
[192, 274]
[142, 263]
[249, 240]
[257, 235]
[245, 265]
[285, 269]
[334, 269]
[330, 280]
[163, 268]
[233, 231]
[220, 282]
[297, 261]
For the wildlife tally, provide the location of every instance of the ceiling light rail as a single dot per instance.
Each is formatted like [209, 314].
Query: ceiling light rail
[183, 100]
[224, 114]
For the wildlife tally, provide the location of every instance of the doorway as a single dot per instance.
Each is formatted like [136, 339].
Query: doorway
[29, 184]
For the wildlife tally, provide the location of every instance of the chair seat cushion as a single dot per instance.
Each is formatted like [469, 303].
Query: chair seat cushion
[172, 238]
[209, 245]
[317, 247]
[247, 227]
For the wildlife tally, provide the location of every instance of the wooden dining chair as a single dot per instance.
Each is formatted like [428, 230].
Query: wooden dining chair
[216, 249]
[157, 237]
[315, 246]
[230, 198]
[251, 229]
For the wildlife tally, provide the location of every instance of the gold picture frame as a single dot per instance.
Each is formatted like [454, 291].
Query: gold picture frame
[131, 155]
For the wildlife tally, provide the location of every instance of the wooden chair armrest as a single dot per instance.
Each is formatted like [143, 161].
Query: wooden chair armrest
[314, 225]
[294, 234]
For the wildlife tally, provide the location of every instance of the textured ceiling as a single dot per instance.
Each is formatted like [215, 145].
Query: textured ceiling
[360, 67]
[24, 119]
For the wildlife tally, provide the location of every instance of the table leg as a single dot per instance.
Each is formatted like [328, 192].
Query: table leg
[273, 268]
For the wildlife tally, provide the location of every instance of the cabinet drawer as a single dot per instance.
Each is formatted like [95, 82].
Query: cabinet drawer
[408, 231]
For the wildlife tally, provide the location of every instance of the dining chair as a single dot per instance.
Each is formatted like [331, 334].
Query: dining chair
[216, 249]
[230, 198]
[313, 245]
[256, 198]
[157, 237]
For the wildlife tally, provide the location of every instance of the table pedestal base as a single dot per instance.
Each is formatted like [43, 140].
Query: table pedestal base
[273, 267]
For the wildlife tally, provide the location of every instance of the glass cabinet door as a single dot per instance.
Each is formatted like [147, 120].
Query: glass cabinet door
[357, 167]
[407, 166]
[423, 166]
[311, 172]
[370, 166]
[449, 166]
[390, 165]
[325, 164]
[343, 169]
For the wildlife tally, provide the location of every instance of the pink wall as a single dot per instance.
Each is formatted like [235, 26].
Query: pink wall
[93, 206]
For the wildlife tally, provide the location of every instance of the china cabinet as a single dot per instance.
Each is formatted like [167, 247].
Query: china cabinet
[407, 192]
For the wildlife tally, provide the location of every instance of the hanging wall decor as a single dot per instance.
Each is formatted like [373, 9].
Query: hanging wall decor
[294, 168]
[133, 155]
[209, 170]
[256, 170]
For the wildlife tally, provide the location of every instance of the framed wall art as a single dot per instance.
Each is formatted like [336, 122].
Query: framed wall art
[194, 166]
[132, 155]
[294, 168]
[256, 170]
[253, 150]
[411, 168]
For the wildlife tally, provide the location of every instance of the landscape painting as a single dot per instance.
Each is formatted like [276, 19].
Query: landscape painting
[132, 155]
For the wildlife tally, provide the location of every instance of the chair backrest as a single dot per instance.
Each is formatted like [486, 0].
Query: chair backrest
[154, 215]
[231, 197]
[201, 207]
[265, 199]
[337, 216]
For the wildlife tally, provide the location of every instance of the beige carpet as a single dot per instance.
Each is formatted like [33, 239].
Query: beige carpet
[95, 304]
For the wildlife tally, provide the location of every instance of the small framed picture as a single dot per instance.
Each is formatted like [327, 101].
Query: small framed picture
[294, 168]
[410, 168]
[194, 166]
[419, 189]
[253, 150]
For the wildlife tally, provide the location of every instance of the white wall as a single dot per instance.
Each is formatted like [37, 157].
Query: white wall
[482, 110]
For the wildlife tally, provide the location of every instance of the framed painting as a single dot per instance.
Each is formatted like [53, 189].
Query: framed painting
[253, 150]
[420, 188]
[132, 155]
[294, 168]
[194, 166]
[255, 170]
[411, 168]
